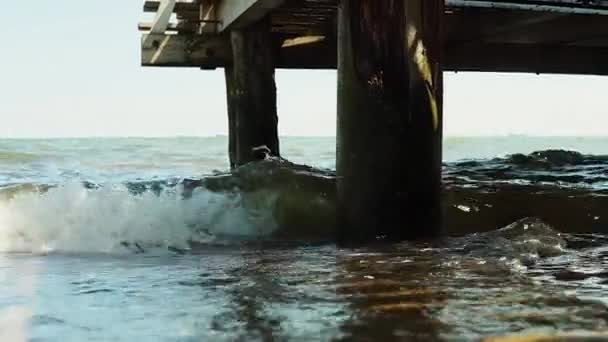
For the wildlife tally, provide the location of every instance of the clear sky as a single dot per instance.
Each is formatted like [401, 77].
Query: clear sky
[71, 68]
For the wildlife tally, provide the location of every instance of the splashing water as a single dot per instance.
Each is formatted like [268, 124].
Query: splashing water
[71, 218]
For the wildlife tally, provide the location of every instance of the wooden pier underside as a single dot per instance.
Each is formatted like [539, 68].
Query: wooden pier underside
[543, 36]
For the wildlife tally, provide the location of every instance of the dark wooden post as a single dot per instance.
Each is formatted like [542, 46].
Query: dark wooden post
[251, 90]
[389, 118]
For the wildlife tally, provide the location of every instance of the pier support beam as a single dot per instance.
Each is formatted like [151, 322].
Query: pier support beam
[390, 90]
[251, 91]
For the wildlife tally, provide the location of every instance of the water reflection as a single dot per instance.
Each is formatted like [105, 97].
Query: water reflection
[525, 279]
[16, 313]
[390, 295]
[467, 288]
[282, 293]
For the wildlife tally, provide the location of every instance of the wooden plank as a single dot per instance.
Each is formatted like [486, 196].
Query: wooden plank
[237, 14]
[316, 54]
[211, 51]
[163, 15]
[203, 51]
[597, 7]
[148, 26]
[161, 20]
[206, 17]
[528, 58]
[490, 26]
[152, 5]
[180, 6]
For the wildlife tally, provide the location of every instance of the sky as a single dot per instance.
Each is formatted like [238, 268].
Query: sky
[71, 68]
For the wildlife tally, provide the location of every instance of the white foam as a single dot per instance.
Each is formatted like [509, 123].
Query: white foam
[70, 218]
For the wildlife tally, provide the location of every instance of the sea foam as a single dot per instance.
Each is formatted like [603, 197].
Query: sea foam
[110, 219]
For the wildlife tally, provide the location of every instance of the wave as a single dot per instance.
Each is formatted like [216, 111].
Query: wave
[525, 240]
[562, 168]
[110, 219]
[253, 202]
[272, 199]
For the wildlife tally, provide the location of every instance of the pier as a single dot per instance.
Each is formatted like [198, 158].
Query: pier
[390, 56]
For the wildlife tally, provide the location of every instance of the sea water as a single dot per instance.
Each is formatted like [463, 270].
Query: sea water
[132, 238]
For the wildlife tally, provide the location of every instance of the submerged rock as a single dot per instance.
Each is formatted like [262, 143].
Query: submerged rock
[547, 159]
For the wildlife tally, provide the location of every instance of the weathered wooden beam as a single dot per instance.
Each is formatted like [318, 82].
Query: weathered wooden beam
[567, 6]
[161, 20]
[475, 27]
[566, 30]
[148, 26]
[206, 20]
[598, 7]
[528, 59]
[317, 54]
[212, 51]
[390, 90]
[172, 27]
[251, 91]
[484, 57]
[523, 28]
[180, 6]
[238, 14]
[202, 51]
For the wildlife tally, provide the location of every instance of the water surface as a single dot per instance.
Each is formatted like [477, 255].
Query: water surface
[121, 239]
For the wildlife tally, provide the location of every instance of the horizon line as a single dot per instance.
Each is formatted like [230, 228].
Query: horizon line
[68, 137]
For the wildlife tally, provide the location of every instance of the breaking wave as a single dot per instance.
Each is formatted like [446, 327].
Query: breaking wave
[74, 218]
[276, 199]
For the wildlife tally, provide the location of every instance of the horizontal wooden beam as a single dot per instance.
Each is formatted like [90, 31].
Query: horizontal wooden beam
[203, 51]
[226, 14]
[237, 14]
[535, 5]
[171, 27]
[528, 58]
[180, 6]
[319, 54]
[211, 51]
[598, 7]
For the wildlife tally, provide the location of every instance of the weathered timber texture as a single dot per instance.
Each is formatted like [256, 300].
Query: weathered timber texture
[548, 36]
[251, 90]
[389, 118]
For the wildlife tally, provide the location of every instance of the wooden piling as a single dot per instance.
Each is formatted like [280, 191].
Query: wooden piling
[389, 118]
[251, 92]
